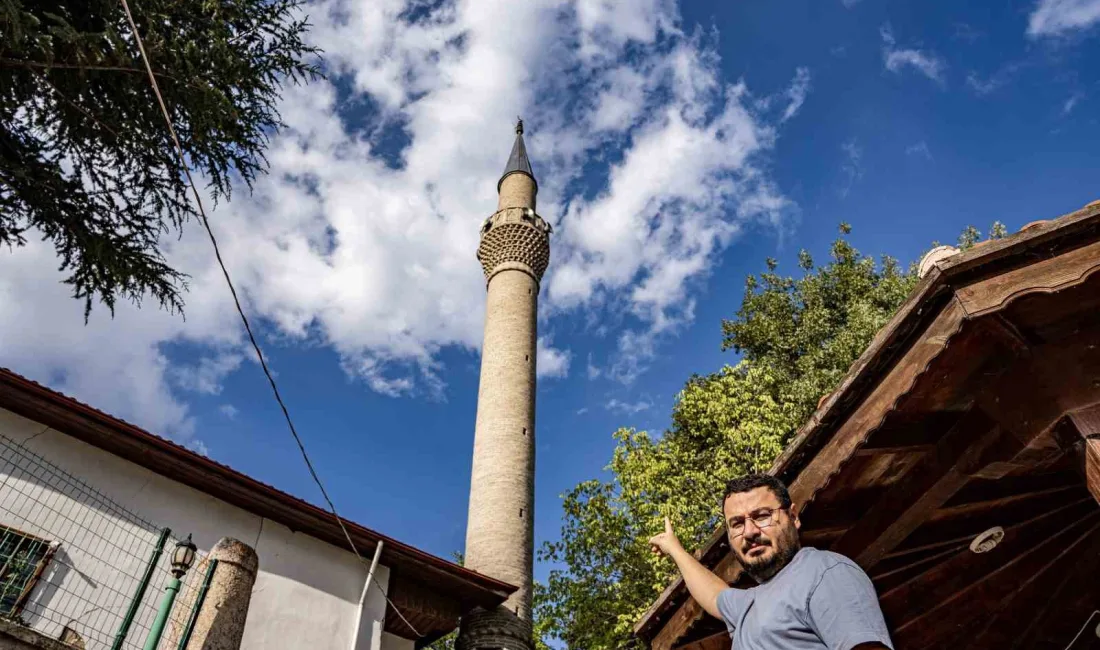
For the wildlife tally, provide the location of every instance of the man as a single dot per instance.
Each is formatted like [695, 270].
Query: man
[805, 599]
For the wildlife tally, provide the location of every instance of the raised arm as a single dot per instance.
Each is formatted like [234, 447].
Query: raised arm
[701, 582]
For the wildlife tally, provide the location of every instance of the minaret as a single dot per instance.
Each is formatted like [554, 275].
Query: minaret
[514, 252]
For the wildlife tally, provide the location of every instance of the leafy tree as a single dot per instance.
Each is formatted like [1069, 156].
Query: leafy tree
[796, 337]
[971, 235]
[86, 160]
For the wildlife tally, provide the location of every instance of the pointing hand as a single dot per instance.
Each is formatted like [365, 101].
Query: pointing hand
[665, 542]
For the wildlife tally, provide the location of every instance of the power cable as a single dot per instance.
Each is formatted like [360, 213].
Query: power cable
[240, 311]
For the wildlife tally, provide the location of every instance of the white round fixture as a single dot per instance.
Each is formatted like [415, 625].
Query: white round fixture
[987, 540]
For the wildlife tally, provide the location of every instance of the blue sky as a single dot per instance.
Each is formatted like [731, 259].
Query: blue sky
[677, 145]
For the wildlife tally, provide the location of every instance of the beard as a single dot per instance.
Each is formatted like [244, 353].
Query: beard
[762, 569]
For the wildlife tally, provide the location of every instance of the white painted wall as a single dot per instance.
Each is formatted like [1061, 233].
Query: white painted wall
[306, 594]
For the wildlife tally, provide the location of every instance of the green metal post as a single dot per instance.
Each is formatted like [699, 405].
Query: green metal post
[186, 636]
[135, 602]
[157, 629]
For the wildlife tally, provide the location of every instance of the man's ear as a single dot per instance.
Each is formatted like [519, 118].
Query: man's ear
[794, 516]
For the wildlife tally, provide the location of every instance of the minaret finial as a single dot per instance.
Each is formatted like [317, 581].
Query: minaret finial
[519, 126]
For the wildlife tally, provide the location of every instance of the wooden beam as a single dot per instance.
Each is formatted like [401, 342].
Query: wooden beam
[953, 616]
[728, 569]
[1022, 609]
[909, 433]
[1045, 276]
[986, 494]
[952, 624]
[940, 534]
[716, 641]
[1087, 422]
[896, 571]
[972, 443]
[1073, 612]
[915, 600]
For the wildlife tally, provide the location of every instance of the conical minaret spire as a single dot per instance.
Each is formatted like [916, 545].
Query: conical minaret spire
[514, 252]
[518, 163]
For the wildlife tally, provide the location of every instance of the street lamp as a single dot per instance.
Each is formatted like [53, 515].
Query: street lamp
[183, 556]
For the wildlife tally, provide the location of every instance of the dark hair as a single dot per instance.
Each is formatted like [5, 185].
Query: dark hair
[753, 481]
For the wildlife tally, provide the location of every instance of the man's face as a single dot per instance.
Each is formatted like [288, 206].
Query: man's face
[761, 551]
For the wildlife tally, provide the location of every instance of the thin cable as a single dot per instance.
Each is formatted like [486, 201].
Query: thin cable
[240, 310]
[1082, 630]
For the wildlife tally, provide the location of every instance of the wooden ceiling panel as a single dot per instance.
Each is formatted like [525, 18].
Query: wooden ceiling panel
[993, 578]
[1018, 620]
[941, 533]
[914, 602]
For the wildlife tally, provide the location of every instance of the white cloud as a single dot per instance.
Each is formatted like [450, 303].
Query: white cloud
[206, 376]
[852, 166]
[592, 370]
[1059, 17]
[1072, 102]
[550, 361]
[797, 92]
[630, 408]
[372, 254]
[897, 59]
[229, 411]
[983, 86]
[919, 149]
[848, 4]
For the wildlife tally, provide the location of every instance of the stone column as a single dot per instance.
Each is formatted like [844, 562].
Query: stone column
[220, 623]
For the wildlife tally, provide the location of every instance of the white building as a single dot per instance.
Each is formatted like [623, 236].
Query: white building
[80, 491]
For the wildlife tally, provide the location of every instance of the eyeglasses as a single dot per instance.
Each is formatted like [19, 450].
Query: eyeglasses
[763, 518]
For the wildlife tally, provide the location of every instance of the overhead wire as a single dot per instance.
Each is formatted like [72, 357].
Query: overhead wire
[244, 319]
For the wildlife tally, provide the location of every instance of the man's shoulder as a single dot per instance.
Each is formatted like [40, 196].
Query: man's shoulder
[820, 560]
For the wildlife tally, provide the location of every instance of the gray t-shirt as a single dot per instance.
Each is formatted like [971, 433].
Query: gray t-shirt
[820, 600]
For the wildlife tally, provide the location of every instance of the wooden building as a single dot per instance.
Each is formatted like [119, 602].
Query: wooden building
[959, 461]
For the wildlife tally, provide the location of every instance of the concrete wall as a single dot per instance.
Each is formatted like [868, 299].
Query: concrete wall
[306, 594]
[16, 637]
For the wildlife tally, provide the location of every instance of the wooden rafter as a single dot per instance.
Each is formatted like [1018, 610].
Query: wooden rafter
[1087, 422]
[941, 534]
[1018, 614]
[911, 603]
[953, 617]
[716, 641]
[903, 508]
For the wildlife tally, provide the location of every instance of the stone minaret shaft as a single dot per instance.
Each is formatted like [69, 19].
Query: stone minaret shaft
[514, 253]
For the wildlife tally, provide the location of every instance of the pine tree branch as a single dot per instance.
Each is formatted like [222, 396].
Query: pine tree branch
[14, 63]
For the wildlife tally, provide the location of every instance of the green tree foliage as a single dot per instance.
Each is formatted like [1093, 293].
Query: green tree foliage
[796, 337]
[86, 160]
[971, 235]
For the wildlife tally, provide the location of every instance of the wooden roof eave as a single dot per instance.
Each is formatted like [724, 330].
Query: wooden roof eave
[932, 302]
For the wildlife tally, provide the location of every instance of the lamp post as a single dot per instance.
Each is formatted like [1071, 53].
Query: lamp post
[182, 558]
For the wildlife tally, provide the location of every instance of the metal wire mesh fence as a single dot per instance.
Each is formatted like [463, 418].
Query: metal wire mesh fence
[74, 564]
